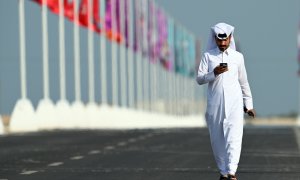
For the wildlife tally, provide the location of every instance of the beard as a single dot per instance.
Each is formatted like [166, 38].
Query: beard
[223, 48]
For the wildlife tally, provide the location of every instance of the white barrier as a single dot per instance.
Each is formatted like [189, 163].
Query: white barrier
[23, 117]
[162, 98]
[46, 116]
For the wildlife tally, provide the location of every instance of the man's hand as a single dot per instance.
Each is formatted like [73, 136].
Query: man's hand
[251, 113]
[219, 70]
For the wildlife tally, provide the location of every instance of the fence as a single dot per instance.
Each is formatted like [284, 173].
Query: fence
[106, 64]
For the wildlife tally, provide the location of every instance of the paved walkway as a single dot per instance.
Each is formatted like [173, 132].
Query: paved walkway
[269, 153]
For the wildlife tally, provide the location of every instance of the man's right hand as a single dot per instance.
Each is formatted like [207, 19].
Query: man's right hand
[219, 70]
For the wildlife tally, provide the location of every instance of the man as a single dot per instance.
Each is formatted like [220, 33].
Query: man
[223, 68]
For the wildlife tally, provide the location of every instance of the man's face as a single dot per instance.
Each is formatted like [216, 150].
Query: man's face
[223, 44]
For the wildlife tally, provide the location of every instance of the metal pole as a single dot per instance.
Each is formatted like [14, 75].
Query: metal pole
[45, 50]
[103, 55]
[76, 55]
[62, 52]
[91, 54]
[22, 49]
[114, 56]
[123, 54]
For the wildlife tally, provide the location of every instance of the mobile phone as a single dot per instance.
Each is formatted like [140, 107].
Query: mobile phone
[223, 65]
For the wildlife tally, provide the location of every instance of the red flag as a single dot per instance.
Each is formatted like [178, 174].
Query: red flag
[53, 5]
[84, 15]
[69, 9]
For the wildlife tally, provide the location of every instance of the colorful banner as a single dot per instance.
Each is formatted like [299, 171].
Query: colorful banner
[83, 15]
[166, 42]
[53, 5]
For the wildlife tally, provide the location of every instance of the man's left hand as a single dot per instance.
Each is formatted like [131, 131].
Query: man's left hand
[251, 112]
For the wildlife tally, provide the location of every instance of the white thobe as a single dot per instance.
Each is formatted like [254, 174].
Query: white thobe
[226, 95]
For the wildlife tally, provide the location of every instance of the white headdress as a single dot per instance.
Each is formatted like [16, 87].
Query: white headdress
[222, 31]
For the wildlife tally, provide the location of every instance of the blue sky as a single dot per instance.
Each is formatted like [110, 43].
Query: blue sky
[265, 30]
[267, 34]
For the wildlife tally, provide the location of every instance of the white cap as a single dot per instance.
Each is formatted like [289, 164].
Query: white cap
[221, 31]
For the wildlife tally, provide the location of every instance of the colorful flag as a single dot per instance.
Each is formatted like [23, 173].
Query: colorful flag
[152, 33]
[53, 5]
[138, 28]
[179, 64]
[84, 13]
[162, 43]
[171, 44]
[116, 36]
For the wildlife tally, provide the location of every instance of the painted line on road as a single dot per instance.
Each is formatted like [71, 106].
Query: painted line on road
[149, 135]
[28, 172]
[122, 143]
[76, 157]
[142, 138]
[56, 164]
[132, 140]
[94, 152]
[109, 147]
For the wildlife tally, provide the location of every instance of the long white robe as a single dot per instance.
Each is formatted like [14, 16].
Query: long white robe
[227, 94]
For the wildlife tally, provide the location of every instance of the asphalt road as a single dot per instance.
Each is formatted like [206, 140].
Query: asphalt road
[154, 154]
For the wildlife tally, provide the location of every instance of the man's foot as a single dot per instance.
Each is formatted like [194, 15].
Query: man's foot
[222, 177]
[231, 177]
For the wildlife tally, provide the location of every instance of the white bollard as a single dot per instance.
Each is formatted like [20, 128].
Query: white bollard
[79, 115]
[63, 114]
[45, 115]
[23, 117]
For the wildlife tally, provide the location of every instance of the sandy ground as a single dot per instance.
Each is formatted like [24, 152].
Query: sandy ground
[274, 121]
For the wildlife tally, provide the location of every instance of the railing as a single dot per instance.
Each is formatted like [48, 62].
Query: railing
[135, 70]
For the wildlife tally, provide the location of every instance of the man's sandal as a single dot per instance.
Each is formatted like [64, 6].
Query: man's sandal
[231, 177]
[222, 177]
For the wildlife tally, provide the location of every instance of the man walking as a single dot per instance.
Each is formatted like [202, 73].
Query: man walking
[223, 68]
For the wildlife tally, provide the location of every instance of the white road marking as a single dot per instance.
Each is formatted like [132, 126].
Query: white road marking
[56, 164]
[122, 144]
[109, 147]
[28, 172]
[30, 161]
[94, 152]
[149, 135]
[142, 137]
[132, 140]
[76, 157]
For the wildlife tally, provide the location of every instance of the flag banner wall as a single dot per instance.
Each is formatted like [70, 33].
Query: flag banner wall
[83, 13]
[179, 63]
[171, 51]
[167, 41]
[152, 33]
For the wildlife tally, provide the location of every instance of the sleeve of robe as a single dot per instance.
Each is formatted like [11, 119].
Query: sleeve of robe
[247, 96]
[205, 74]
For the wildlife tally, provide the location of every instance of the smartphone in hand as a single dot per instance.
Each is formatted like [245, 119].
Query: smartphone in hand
[224, 65]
